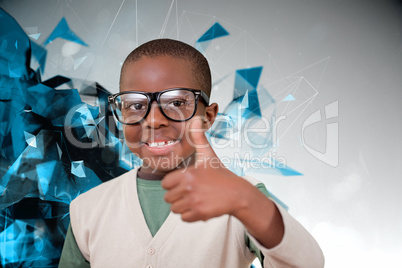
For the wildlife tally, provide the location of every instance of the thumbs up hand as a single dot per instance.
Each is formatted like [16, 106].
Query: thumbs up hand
[206, 189]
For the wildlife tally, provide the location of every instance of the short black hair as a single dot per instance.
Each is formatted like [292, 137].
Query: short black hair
[178, 50]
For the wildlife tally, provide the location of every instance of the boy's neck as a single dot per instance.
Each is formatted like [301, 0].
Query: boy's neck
[149, 176]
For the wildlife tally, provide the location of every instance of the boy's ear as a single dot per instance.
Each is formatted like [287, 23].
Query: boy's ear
[211, 112]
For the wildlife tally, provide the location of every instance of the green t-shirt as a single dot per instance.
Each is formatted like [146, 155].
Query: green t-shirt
[155, 210]
[153, 206]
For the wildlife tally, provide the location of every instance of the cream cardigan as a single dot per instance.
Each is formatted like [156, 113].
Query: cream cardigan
[111, 231]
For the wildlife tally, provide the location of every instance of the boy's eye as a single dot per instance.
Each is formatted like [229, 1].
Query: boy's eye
[177, 103]
[135, 106]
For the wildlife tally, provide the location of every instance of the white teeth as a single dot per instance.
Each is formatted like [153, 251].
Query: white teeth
[160, 144]
[152, 144]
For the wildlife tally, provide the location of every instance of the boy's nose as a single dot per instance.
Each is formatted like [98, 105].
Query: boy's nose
[155, 118]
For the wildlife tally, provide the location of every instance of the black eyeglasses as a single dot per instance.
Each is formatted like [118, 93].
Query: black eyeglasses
[177, 104]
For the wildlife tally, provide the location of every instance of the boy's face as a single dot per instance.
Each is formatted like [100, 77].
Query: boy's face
[154, 74]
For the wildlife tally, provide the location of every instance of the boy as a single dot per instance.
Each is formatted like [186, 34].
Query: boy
[182, 207]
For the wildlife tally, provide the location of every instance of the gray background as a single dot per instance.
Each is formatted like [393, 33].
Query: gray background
[345, 51]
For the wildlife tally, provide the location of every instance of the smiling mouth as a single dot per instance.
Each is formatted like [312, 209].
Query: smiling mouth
[161, 144]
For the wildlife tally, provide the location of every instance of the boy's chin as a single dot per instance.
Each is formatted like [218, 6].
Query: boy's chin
[162, 166]
[157, 170]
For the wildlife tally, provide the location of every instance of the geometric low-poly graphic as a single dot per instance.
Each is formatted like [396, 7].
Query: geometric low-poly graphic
[62, 30]
[58, 139]
[246, 80]
[215, 31]
[39, 53]
[245, 103]
[231, 125]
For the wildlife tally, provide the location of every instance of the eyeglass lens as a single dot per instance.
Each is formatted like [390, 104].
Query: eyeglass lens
[175, 104]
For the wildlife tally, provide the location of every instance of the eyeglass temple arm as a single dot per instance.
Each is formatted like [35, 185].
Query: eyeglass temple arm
[205, 97]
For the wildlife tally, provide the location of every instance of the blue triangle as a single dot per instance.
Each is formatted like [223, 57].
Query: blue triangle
[251, 75]
[62, 30]
[15, 73]
[289, 98]
[215, 31]
[287, 171]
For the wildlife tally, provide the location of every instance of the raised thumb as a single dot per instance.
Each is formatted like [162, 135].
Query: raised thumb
[198, 139]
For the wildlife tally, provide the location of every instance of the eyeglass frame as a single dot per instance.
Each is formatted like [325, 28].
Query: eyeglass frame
[155, 96]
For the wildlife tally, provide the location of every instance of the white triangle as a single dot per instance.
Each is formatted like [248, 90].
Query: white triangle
[59, 150]
[30, 139]
[244, 102]
[32, 142]
[77, 62]
[35, 36]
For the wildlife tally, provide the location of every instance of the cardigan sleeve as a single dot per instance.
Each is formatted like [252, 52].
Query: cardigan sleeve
[298, 248]
[71, 256]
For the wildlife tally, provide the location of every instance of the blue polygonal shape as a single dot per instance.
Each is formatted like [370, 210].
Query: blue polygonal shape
[88, 181]
[127, 159]
[5, 180]
[24, 121]
[38, 173]
[246, 80]
[15, 72]
[62, 30]
[46, 210]
[85, 115]
[40, 98]
[253, 104]
[11, 240]
[14, 48]
[39, 53]
[27, 108]
[289, 98]
[45, 171]
[64, 103]
[30, 238]
[56, 81]
[78, 169]
[90, 132]
[228, 125]
[287, 171]
[81, 115]
[215, 31]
